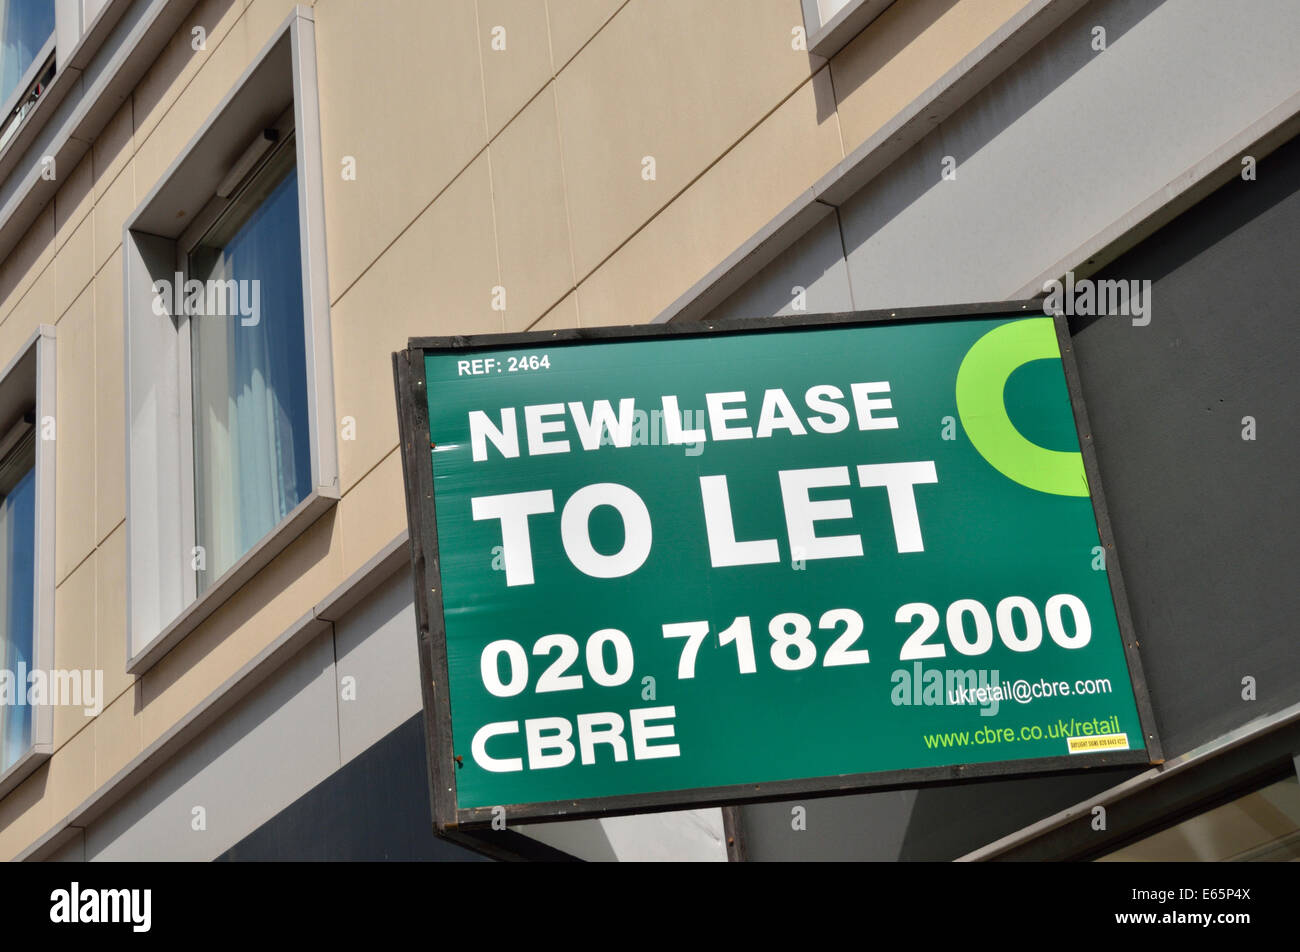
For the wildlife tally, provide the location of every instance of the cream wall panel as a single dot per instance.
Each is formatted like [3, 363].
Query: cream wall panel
[673, 80]
[178, 63]
[71, 774]
[110, 614]
[35, 307]
[111, 210]
[113, 148]
[25, 813]
[563, 315]
[74, 495]
[436, 279]
[904, 52]
[74, 642]
[117, 737]
[532, 223]
[73, 201]
[406, 104]
[73, 268]
[763, 174]
[373, 512]
[514, 74]
[574, 22]
[216, 76]
[26, 263]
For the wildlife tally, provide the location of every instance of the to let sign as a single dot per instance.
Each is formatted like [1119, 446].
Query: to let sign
[662, 566]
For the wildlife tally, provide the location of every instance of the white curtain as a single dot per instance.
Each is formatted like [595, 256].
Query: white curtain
[252, 462]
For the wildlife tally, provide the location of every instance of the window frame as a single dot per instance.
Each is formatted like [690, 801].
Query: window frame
[36, 359]
[278, 89]
[185, 244]
[827, 38]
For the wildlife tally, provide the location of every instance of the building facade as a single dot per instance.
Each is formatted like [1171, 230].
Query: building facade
[218, 219]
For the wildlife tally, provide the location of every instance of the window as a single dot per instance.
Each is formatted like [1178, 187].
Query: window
[26, 26]
[26, 554]
[231, 437]
[26, 58]
[831, 24]
[17, 579]
[252, 461]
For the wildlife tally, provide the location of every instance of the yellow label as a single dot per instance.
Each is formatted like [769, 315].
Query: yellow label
[1096, 742]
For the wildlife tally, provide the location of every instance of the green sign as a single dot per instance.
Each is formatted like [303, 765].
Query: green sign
[665, 568]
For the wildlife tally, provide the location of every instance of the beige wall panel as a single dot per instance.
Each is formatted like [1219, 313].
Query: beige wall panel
[265, 16]
[25, 813]
[263, 609]
[110, 614]
[904, 52]
[110, 401]
[114, 148]
[74, 494]
[27, 261]
[74, 266]
[74, 641]
[514, 74]
[111, 211]
[72, 774]
[74, 199]
[372, 513]
[216, 76]
[763, 174]
[178, 63]
[407, 104]
[673, 79]
[563, 315]
[574, 22]
[36, 306]
[531, 221]
[117, 736]
[437, 279]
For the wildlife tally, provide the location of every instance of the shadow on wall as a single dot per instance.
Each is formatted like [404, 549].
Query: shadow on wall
[823, 259]
[888, 35]
[997, 107]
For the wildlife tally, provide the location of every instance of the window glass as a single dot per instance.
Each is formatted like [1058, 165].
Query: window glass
[252, 462]
[17, 589]
[828, 8]
[25, 27]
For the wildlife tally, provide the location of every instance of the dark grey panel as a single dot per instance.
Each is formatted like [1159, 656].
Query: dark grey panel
[375, 808]
[1208, 524]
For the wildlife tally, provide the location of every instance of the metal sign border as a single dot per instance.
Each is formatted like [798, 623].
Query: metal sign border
[417, 472]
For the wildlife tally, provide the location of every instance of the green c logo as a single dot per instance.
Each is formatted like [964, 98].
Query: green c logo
[981, 382]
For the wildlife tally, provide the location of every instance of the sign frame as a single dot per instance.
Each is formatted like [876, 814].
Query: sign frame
[417, 471]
